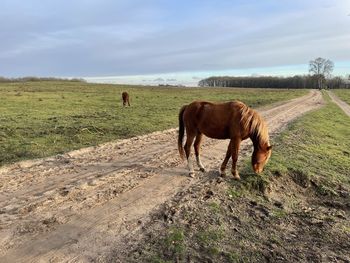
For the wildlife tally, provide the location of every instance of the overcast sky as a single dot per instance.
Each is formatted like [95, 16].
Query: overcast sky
[166, 40]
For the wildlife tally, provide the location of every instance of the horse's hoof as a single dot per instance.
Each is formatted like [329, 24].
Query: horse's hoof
[222, 174]
[191, 174]
[237, 177]
[202, 169]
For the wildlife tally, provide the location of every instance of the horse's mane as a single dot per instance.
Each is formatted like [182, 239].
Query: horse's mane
[252, 122]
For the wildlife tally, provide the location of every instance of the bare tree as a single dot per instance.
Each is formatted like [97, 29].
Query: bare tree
[322, 69]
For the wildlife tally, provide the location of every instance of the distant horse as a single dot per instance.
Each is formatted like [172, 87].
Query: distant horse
[125, 97]
[232, 120]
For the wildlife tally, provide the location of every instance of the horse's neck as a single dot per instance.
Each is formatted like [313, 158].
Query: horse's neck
[258, 131]
[257, 141]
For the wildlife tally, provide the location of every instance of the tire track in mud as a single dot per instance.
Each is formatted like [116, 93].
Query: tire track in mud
[146, 168]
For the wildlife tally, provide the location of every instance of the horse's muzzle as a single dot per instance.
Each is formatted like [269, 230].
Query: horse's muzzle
[257, 169]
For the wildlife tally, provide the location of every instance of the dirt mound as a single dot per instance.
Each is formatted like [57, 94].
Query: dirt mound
[222, 221]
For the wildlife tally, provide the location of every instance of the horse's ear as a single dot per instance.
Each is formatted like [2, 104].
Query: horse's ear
[269, 147]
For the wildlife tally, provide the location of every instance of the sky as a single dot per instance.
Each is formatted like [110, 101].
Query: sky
[171, 42]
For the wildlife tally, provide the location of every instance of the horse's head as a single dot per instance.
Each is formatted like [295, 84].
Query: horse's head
[260, 157]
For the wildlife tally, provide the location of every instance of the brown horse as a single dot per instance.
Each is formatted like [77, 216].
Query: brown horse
[232, 120]
[125, 97]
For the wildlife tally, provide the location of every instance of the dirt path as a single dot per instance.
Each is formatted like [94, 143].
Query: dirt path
[342, 104]
[77, 206]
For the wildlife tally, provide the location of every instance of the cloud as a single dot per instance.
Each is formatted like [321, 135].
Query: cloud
[101, 38]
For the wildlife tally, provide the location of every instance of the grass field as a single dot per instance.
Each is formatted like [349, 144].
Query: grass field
[343, 94]
[40, 119]
[319, 144]
[297, 211]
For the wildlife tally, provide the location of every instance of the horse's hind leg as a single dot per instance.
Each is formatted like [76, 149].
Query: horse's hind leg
[187, 147]
[197, 144]
[227, 157]
[235, 143]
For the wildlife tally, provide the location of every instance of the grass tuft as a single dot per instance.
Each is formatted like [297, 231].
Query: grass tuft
[175, 242]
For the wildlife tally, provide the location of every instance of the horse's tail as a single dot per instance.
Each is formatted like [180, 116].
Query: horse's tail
[181, 132]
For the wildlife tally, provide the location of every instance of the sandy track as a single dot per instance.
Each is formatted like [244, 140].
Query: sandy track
[77, 206]
[342, 104]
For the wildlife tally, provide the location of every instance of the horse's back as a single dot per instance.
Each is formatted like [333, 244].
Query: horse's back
[205, 109]
[215, 120]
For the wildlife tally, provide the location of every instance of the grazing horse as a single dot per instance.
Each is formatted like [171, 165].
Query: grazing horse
[125, 97]
[231, 120]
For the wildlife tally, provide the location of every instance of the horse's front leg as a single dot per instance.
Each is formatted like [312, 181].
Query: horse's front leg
[235, 143]
[224, 163]
[189, 141]
[197, 144]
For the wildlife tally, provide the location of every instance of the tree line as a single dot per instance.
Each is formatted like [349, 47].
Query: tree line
[320, 77]
[295, 82]
[26, 79]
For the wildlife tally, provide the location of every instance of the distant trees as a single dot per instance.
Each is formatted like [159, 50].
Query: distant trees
[335, 83]
[347, 84]
[295, 82]
[322, 69]
[319, 78]
[27, 79]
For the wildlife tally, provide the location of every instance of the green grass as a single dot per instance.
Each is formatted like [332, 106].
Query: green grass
[175, 242]
[343, 94]
[208, 238]
[215, 207]
[40, 119]
[316, 147]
